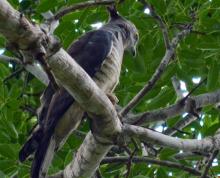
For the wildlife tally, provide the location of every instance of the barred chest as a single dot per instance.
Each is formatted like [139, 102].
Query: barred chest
[107, 77]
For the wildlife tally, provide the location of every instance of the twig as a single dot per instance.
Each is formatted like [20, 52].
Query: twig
[180, 124]
[136, 159]
[160, 22]
[180, 131]
[185, 155]
[190, 117]
[9, 59]
[130, 162]
[209, 164]
[127, 150]
[78, 6]
[195, 88]
[13, 74]
[29, 109]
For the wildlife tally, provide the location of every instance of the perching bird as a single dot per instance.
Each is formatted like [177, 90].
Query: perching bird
[100, 54]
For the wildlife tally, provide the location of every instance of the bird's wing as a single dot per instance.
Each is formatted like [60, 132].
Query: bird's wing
[89, 51]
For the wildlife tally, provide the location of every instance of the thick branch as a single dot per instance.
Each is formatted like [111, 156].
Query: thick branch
[85, 91]
[86, 160]
[17, 29]
[81, 86]
[205, 145]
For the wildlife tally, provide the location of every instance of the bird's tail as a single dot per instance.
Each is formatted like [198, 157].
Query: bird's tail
[31, 145]
[53, 139]
[43, 156]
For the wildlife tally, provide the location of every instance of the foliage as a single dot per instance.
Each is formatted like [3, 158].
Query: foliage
[196, 57]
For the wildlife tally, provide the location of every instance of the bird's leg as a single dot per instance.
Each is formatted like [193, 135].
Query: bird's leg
[112, 98]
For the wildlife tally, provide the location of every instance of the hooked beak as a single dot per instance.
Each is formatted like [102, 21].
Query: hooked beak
[133, 51]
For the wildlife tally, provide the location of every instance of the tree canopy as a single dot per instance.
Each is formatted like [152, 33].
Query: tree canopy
[184, 34]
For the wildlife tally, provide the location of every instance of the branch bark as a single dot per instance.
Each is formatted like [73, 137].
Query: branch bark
[205, 145]
[136, 159]
[86, 160]
[175, 109]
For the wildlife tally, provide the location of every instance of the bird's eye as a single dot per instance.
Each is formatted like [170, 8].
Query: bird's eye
[136, 36]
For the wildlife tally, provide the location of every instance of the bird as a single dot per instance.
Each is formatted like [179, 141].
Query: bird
[100, 53]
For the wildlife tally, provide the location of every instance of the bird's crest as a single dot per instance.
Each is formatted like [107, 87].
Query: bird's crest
[113, 12]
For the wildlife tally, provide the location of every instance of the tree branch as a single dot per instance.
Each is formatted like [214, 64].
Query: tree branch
[189, 155]
[136, 159]
[175, 109]
[34, 68]
[204, 145]
[209, 164]
[9, 59]
[180, 124]
[86, 160]
[79, 6]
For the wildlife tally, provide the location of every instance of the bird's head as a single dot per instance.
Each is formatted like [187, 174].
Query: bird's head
[129, 31]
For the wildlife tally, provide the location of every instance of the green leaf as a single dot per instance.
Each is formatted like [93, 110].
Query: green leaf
[6, 164]
[212, 129]
[161, 99]
[161, 173]
[8, 151]
[2, 175]
[24, 171]
[216, 169]
[140, 176]
[167, 153]
[213, 75]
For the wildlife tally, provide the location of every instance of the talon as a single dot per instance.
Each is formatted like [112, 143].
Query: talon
[112, 98]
